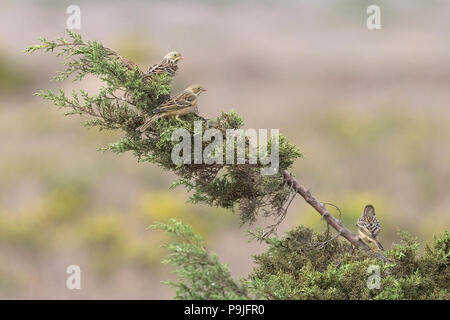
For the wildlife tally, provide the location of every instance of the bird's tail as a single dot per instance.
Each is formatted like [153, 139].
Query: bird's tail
[148, 123]
[379, 245]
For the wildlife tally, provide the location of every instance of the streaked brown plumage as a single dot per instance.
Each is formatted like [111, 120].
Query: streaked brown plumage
[167, 65]
[183, 103]
[368, 226]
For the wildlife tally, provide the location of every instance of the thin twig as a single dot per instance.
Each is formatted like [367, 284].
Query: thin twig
[340, 216]
[340, 213]
[273, 228]
[323, 244]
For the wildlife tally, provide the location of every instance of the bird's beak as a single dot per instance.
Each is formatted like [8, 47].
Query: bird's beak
[203, 89]
[181, 58]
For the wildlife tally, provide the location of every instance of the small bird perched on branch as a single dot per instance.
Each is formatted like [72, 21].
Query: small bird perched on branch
[183, 103]
[167, 65]
[368, 226]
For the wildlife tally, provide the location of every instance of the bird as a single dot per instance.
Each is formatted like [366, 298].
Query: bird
[167, 65]
[368, 226]
[182, 103]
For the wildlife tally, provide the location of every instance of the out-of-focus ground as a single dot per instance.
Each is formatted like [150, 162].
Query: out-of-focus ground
[370, 110]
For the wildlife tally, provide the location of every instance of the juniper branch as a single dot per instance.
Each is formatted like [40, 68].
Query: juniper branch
[126, 99]
[200, 274]
[331, 220]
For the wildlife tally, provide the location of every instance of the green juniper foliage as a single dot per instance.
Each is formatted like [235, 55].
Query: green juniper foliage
[200, 275]
[127, 98]
[302, 265]
[299, 266]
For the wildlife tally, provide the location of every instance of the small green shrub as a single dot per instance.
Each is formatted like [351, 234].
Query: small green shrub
[302, 265]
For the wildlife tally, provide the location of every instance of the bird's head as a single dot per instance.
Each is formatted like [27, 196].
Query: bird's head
[173, 56]
[369, 211]
[195, 89]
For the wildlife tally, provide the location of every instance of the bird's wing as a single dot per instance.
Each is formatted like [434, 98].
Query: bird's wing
[185, 99]
[364, 230]
[179, 111]
[182, 100]
[156, 68]
[163, 67]
[369, 228]
[374, 226]
[171, 70]
[374, 229]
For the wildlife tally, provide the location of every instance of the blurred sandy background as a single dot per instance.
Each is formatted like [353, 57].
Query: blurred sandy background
[370, 110]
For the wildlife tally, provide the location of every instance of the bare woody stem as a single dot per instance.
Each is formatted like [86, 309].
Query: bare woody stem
[322, 210]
